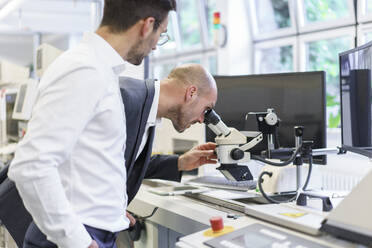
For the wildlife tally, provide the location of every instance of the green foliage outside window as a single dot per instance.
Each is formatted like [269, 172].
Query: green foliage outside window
[325, 10]
[276, 59]
[189, 23]
[281, 13]
[323, 56]
[276, 17]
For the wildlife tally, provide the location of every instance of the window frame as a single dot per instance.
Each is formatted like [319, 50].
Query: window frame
[304, 27]
[273, 44]
[362, 29]
[363, 15]
[318, 36]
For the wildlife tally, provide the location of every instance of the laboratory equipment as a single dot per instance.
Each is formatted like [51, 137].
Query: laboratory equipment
[9, 126]
[25, 100]
[46, 54]
[268, 123]
[11, 73]
[223, 183]
[355, 88]
[299, 99]
[350, 220]
[232, 147]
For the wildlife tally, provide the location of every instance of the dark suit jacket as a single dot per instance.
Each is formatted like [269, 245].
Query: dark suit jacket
[137, 97]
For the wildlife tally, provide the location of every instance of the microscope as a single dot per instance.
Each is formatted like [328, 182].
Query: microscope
[232, 147]
[268, 123]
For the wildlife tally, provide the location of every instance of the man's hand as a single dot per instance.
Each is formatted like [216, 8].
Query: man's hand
[93, 244]
[131, 219]
[197, 156]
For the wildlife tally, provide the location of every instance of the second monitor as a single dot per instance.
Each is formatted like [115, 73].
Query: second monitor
[299, 99]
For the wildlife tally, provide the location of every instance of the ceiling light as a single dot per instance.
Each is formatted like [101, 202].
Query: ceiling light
[10, 7]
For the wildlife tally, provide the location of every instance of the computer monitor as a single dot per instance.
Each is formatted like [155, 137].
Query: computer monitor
[9, 126]
[26, 97]
[299, 99]
[355, 91]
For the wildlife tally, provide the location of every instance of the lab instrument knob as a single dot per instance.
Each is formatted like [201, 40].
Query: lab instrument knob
[216, 223]
[271, 119]
[236, 154]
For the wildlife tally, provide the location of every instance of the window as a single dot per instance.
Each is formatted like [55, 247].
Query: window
[162, 70]
[275, 56]
[210, 9]
[190, 30]
[271, 18]
[324, 14]
[313, 40]
[212, 64]
[281, 59]
[272, 15]
[367, 37]
[316, 11]
[189, 23]
[170, 46]
[364, 33]
[319, 51]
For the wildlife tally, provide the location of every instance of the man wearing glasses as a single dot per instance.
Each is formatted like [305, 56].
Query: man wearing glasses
[69, 168]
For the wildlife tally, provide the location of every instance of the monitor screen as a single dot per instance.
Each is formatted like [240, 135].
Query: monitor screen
[297, 98]
[27, 93]
[21, 98]
[355, 91]
[11, 124]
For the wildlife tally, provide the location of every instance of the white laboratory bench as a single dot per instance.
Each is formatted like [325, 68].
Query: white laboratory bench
[180, 221]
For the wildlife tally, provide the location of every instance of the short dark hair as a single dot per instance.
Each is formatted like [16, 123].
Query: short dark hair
[120, 15]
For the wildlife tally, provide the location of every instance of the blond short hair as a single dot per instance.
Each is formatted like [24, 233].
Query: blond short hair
[195, 74]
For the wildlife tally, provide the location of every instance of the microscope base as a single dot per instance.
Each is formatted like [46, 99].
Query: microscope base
[235, 172]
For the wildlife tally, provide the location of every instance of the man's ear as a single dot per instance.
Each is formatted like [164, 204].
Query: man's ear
[147, 26]
[191, 93]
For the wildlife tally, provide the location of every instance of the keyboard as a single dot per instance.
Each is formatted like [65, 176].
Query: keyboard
[223, 183]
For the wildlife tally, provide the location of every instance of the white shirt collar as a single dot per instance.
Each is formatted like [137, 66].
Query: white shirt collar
[108, 54]
[152, 120]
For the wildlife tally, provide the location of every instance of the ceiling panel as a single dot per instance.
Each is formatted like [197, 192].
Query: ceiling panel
[49, 16]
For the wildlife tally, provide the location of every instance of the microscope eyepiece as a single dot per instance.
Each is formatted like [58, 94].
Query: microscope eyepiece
[211, 117]
[214, 122]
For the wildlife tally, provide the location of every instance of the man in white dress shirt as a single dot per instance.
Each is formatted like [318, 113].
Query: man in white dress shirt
[69, 168]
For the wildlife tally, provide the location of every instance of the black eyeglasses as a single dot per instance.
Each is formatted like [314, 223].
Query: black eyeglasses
[163, 38]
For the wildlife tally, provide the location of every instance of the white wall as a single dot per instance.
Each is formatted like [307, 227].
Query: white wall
[165, 133]
[17, 48]
[236, 57]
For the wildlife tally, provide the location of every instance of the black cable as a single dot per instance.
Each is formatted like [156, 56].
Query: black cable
[268, 198]
[291, 159]
[271, 200]
[148, 216]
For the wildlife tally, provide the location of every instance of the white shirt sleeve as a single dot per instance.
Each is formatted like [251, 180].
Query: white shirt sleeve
[62, 110]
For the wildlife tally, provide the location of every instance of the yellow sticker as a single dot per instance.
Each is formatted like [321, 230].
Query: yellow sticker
[293, 215]
[210, 233]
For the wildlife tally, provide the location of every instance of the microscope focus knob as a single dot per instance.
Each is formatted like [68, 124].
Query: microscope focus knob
[271, 119]
[236, 154]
